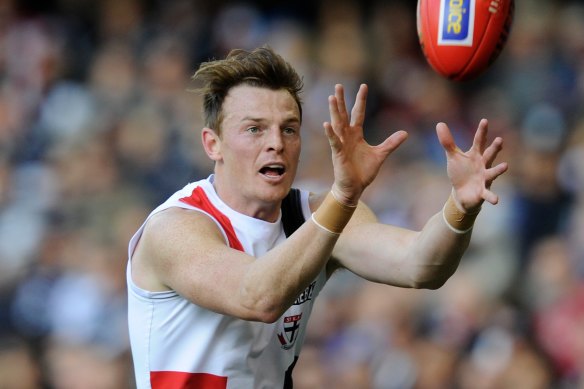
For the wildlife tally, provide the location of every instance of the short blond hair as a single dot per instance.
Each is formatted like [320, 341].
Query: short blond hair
[261, 67]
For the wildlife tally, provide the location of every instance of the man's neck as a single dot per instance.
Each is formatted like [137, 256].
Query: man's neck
[253, 207]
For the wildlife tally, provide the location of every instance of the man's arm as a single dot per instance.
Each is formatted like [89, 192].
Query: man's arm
[425, 259]
[185, 251]
[398, 256]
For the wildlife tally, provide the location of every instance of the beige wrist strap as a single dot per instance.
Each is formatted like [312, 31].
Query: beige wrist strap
[455, 219]
[332, 216]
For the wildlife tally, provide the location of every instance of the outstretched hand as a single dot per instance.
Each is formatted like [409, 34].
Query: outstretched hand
[356, 163]
[472, 172]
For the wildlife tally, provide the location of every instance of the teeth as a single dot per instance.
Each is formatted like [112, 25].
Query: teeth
[273, 169]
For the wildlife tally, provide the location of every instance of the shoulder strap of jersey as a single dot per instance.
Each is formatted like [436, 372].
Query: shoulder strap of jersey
[292, 217]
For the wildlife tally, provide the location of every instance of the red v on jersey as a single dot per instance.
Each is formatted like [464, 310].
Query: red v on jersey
[199, 199]
[180, 345]
[181, 380]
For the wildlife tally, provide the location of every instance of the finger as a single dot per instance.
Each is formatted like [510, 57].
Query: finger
[494, 172]
[393, 141]
[480, 138]
[334, 111]
[492, 151]
[446, 139]
[341, 106]
[490, 196]
[358, 111]
[334, 140]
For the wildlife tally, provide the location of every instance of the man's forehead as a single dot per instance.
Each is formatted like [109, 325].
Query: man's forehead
[243, 99]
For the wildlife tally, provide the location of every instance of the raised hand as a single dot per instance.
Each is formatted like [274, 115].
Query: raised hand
[472, 173]
[356, 163]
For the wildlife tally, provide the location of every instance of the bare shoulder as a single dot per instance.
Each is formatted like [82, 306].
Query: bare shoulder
[173, 224]
[167, 237]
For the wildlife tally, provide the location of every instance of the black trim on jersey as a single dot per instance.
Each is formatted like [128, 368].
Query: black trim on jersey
[288, 379]
[292, 217]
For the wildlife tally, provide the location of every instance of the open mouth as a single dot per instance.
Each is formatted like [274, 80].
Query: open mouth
[273, 170]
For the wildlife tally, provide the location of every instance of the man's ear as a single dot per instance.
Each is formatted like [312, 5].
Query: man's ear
[211, 144]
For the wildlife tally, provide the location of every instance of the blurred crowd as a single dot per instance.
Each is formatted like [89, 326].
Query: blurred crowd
[98, 125]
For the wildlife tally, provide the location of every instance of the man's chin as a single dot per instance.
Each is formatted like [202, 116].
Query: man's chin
[275, 190]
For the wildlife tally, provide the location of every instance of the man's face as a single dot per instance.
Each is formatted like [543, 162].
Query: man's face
[259, 145]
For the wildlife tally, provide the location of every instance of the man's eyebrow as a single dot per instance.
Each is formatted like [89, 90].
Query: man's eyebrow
[288, 120]
[252, 119]
[293, 120]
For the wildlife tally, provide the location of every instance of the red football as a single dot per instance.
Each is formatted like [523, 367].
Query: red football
[462, 38]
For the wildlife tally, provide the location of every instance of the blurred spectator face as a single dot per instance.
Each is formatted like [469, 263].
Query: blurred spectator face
[11, 121]
[538, 173]
[237, 26]
[84, 367]
[86, 169]
[526, 369]
[113, 73]
[141, 138]
[357, 375]
[531, 27]
[341, 41]
[550, 274]
[435, 365]
[120, 19]
[33, 55]
[18, 370]
[569, 26]
[309, 372]
[166, 70]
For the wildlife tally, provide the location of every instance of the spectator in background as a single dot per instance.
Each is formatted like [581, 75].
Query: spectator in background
[19, 368]
[94, 52]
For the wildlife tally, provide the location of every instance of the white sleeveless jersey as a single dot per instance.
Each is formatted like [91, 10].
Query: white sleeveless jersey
[177, 344]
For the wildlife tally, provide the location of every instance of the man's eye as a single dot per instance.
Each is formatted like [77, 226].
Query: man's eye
[289, 130]
[253, 130]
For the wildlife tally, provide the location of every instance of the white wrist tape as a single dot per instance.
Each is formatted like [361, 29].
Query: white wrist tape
[457, 220]
[332, 215]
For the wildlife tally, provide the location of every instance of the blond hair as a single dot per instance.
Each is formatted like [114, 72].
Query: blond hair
[261, 67]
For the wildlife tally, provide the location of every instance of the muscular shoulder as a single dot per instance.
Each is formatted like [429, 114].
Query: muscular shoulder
[177, 222]
[168, 236]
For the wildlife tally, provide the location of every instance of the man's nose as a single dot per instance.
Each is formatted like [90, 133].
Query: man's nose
[275, 140]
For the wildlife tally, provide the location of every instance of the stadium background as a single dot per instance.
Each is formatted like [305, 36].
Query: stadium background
[96, 128]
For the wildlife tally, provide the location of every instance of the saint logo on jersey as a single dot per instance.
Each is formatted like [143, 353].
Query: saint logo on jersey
[456, 24]
[292, 319]
[291, 326]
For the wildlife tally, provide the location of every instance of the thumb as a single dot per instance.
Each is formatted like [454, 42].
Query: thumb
[393, 141]
[445, 138]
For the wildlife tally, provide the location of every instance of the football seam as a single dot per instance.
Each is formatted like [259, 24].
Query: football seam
[477, 50]
[502, 39]
[433, 37]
